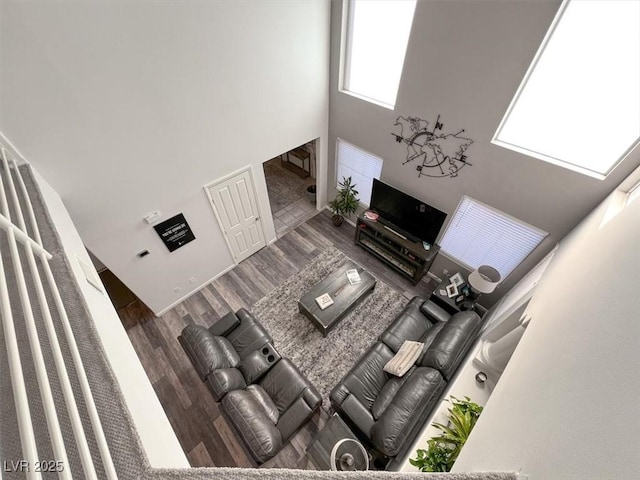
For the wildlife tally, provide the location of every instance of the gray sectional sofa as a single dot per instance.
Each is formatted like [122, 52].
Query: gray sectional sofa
[389, 411]
[265, 397]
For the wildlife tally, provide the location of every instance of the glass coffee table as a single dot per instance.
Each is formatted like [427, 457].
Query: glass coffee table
[344, 295]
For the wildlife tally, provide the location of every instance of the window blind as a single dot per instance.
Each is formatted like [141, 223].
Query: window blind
[360, 165]
[481, 235]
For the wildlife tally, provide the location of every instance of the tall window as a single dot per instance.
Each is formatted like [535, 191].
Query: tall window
[377, 33]
[358, 164]
[579, 103]
[481, 235]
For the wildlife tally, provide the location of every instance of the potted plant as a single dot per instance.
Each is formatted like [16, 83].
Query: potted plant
[442, 451]
[311, 193]
[345, 203]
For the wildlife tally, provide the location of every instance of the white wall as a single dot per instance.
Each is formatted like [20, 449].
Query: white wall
[565, 406]
[129, 107]
[156, 435]
[465, 60]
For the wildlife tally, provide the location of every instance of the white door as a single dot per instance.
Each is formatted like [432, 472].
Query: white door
[234, 203]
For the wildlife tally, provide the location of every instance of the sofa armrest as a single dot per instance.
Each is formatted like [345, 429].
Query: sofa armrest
[258, 432]
[223, 326]
[257, 363]
[298, 413]
[358, 414]
[223, 381]
[312, 397]
[435, 312]
[410, 324]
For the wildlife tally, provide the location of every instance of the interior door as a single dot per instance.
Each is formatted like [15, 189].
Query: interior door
[235, 206]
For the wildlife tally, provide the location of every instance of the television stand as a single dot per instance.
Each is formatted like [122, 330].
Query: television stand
[406, 257]
[393, 231]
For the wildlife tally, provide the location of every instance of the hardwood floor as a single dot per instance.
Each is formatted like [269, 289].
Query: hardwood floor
[204, 434]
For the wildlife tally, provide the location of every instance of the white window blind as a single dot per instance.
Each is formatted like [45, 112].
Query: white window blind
[481, 235]
[360, 165]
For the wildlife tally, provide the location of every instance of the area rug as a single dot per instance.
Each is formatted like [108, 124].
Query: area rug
[283, 187]
[324, 361]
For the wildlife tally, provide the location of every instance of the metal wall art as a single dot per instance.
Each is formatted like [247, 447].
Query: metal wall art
[435, 154]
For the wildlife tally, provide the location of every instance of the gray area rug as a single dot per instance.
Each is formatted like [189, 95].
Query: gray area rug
[284, 187]
[324, 361]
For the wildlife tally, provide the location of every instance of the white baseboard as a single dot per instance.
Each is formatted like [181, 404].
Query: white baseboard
[434, 276]
[346, 219]
[197, 289]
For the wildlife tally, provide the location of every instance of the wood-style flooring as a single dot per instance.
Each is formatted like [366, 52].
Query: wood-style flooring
[204, 434]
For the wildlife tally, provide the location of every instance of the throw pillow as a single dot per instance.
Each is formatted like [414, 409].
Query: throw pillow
[404, 359]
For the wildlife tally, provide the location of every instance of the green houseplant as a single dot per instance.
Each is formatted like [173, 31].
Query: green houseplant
[443, 450]
[345, 203]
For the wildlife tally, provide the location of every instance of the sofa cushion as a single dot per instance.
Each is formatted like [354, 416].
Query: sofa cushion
[451, 344]
[429, 336]
[410, 324]
[249, 336]
[388, 393]
[414, 399]
[247, 414]
[284, 384]
[265, 402]
[223, 380]
[207, 352]
[231, 358]
[366, 378]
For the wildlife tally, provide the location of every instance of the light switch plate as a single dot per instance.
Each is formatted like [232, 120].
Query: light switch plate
[152, 217]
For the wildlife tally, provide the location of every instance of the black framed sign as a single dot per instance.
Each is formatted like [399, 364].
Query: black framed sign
[175, 232]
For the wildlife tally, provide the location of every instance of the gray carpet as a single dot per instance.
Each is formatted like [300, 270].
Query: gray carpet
[284, 187]
[286, 474]
[325, 361]
[128, 454]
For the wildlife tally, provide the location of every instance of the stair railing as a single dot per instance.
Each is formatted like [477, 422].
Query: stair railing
[17, 234]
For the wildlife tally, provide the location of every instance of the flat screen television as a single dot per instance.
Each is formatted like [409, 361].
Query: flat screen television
[405, 214]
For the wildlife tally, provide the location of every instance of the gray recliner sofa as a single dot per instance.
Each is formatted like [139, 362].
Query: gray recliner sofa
[265, 397]
[389, 411]
[268, 413]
